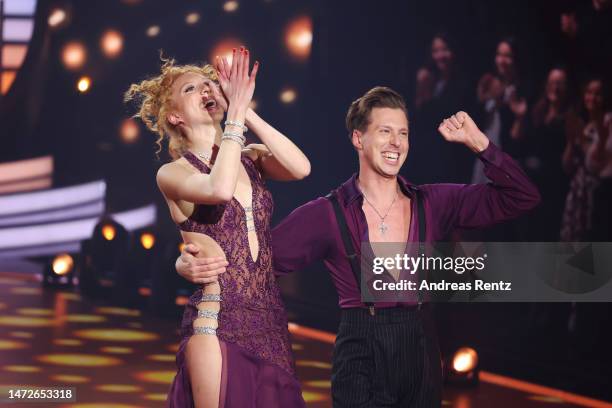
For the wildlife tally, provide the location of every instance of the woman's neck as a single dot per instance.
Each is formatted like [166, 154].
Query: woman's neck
[203, 138]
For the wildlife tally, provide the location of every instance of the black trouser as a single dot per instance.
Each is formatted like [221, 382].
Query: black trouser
[391, 359]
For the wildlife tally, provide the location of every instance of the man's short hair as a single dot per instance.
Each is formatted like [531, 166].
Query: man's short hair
[358, 115]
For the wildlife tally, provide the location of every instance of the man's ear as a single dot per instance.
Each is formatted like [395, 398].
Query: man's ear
[174, 119]
[356, 139]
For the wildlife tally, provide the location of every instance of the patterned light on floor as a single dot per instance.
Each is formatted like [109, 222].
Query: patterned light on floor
[21, 369]
[319, 384]
[314, 396]
[29, 322]
[67, 342]
[79, 360]
[155, 397]
[164, 358]
[70, 379]
[31, 311]
[84, 318]
[314, 364]
[116, 335]
[158, 377]
[117, 350]
[118, 388]
[12, 345]
[118, 311]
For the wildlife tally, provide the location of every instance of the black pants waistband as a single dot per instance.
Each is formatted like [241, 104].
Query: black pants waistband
[384, 315]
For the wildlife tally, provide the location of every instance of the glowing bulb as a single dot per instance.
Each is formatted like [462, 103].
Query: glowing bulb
[109, 232]
[147, 240]
[298, 37]
[288, 95]
[224, 49]
[129, 130]
[57, 17]
[84, 84]
[230, 6]
[192, 18]
[465, 360]
[111, 43]
[153, 31]
[62, 264]
[74, 55]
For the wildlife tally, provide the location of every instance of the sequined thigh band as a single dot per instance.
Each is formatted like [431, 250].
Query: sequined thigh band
[205, 330]
[211, 314]
[210, 297]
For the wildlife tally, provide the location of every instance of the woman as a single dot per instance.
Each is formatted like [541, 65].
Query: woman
[440, 89]
[587, 135]
[545, 146]
[502, 103]
[235, 350]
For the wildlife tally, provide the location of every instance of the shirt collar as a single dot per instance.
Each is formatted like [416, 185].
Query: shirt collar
[349, 190]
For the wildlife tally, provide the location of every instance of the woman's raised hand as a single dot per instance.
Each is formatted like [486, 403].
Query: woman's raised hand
[236, 83]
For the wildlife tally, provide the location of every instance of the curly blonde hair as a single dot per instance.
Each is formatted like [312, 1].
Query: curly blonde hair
[153, 96]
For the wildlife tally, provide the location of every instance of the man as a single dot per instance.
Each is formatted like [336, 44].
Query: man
[387, 355]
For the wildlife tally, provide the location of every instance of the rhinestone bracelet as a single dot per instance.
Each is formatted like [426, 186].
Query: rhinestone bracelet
[237, 124]
[234, 137]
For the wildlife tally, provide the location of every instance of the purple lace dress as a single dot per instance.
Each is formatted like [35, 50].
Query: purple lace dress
[258, 369]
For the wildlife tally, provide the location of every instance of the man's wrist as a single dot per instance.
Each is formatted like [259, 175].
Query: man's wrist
[480, 143]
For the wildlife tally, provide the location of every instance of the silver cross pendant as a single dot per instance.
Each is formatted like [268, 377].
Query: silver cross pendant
[383, 227]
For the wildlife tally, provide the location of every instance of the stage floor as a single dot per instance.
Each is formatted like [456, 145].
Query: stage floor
[120, 358]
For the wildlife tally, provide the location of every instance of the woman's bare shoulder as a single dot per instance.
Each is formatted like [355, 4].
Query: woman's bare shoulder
[174, 170]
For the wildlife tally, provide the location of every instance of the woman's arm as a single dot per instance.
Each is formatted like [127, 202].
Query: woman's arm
[285, 161]
[178, 183]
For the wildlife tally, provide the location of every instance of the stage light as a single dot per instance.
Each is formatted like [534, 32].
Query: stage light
[153, 31]
[298, 37]
[103, 259]
[59, 272]
[192, 18]
[111, 43]
[465, 360]
[57, 17]
[462, 367]
[129, 131]
[84, 84]
[230, 6]
[109, 232]
[181, 246]
[288, 95]
[147, 240]
[74, 55]
[224, 49]
[62, 264]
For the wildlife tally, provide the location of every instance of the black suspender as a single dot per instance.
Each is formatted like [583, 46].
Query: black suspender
[350, 249]
[346, 240]
[422, 231]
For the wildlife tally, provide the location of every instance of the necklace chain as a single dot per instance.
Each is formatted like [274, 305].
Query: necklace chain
[205, 156]
[382, 227]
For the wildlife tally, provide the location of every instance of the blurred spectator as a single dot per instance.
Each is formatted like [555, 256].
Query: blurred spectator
[502, 103]
[440, 91]
[545, 145]
[584, 159]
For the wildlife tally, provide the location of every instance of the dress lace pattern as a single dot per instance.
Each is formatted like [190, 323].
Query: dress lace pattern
[252, 314]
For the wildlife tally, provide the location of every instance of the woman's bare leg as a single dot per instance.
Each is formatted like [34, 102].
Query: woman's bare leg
[204, 357]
